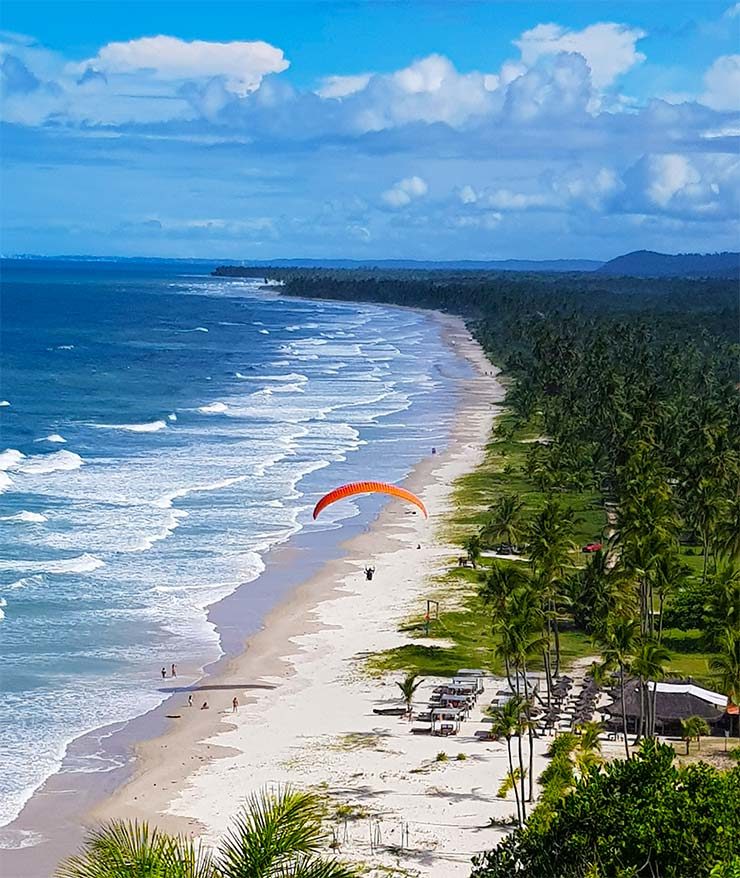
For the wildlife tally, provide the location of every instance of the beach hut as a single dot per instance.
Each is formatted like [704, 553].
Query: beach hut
[674, 702]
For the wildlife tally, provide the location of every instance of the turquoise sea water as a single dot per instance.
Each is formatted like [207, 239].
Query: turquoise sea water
[160, 431]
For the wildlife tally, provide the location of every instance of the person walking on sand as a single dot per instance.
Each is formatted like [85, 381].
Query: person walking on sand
[174, 669]
[234, 704]
[190, 700]
[164, 673]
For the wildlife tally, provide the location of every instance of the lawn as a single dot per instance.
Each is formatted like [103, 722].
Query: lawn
[463, 631]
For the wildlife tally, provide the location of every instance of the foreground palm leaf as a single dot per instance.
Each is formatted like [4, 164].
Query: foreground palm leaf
[273, 832]
[278, 834]
[134, 850]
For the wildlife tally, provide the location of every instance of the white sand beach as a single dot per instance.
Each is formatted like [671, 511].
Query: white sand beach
[306, 703]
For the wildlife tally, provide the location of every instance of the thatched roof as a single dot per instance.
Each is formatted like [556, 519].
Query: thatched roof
[673, 702]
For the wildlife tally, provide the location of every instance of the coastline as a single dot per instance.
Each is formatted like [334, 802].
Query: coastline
[173, 753]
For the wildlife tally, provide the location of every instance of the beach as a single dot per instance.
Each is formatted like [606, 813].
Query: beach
[305, 714]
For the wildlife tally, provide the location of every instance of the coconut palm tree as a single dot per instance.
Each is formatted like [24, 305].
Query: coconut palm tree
[277, 834]
[506, 721]
[617, 650]
[472, 549]
[120, 849]
[408, 687]
[502, 579]
[723, 607]
[649, 664]
[693, 727]
[726, 666]
[727, 534]
[550, 543]
[505, 521]
[588, 750]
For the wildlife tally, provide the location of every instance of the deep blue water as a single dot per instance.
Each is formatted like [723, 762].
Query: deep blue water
[159, 432]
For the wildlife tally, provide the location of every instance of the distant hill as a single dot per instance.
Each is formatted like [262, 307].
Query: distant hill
[647, 263]
[548, 265]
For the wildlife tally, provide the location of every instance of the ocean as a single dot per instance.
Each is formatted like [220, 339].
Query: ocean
[160, 431]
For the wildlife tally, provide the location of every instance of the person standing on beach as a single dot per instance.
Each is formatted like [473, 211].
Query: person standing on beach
[164, 673]
[234, 704]
[190, 700]
[174, 670]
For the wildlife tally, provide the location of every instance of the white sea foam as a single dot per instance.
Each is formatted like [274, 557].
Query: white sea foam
[148, 427]
[42, 464]
[4, 403]
[84, 563]
[264, 331]
[165, 502]
[65, 347]
[6, 483]
[53, 437]
[24, 582]
[30, 517]
[172, 417]
[214, 408]
[10, 458]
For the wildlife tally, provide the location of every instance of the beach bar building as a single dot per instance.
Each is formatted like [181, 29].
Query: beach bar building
[674, 702]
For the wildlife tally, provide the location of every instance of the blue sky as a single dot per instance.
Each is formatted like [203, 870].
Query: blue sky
[369, 129]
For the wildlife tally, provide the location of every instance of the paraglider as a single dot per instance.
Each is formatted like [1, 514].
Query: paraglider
[367, 488]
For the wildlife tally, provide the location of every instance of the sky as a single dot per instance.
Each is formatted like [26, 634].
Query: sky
[422, 130]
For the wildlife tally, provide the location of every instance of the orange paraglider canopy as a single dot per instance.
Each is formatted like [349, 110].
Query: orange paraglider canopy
[367, 488]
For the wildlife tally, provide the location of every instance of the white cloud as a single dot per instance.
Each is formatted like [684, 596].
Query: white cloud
[404, 192]
[342, 86]
[673, 184]
[722, 84]
[467, 194]
[242, 64]
[609, 49]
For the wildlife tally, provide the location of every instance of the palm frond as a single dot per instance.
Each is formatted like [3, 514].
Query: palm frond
[273, 827]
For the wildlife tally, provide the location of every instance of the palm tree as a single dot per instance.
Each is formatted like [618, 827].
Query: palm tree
[472, 549]
[408, 687]
[550, 545]
[649, 663]
[505, 521]
[278, 833]
[505, 724]
[727, 535]
[501, 581]
[120, 849]
[723, 607]
[588, 750]
[726, 666]
[694, 727]
[617, 649]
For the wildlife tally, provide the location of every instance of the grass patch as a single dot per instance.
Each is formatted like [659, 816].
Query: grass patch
[464, 625]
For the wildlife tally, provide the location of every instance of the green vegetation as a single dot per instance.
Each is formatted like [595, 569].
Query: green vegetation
[276, 833]
[640, 816]
[621, 428]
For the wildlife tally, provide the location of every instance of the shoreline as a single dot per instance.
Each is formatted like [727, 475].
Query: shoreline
[266, 660]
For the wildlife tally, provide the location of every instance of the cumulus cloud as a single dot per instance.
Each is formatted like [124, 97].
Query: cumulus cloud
[241, 64]
[722, 84]
[700, 186]
[404, 192]
[609, 49]
[341, 86]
